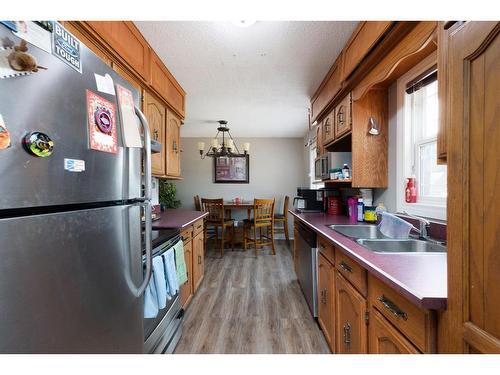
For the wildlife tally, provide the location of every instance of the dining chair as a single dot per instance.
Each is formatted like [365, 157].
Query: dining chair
[263, 218]
[215, 220]
[197, 203]
[283, 218]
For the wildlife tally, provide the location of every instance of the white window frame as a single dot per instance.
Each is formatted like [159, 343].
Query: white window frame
[405, 151]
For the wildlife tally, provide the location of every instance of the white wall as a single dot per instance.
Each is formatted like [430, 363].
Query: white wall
[388, 196]
[277, 168]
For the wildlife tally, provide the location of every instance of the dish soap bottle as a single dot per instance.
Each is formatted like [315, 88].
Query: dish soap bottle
[360, 209]
[378, 211]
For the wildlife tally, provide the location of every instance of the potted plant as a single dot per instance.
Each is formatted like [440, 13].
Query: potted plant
[168, 192]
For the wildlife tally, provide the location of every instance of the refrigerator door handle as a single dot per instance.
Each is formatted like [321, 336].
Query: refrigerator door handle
[148, 248]
[147, 158]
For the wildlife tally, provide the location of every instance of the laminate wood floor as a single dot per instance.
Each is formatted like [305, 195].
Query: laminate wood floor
[249, 304]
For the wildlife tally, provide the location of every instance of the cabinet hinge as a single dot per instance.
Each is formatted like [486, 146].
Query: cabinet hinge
[367, 317]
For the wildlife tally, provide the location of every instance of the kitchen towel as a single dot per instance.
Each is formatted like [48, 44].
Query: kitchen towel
[150, 300]
[180, 262]
[160, 282]
[170, 272]
[394, 227]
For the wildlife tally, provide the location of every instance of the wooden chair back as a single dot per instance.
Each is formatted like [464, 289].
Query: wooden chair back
[263, 210]
[197, 203]
[285, 205]
[215, 209]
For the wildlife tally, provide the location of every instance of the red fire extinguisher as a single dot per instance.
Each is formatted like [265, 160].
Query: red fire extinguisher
[411, 190]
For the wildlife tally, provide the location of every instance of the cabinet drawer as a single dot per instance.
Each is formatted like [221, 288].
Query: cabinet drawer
[187, 234]
[326, 249]
[416, 324]
[197, 227]
[352, 271]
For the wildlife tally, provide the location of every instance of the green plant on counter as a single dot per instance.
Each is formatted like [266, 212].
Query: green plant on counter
[168, 193]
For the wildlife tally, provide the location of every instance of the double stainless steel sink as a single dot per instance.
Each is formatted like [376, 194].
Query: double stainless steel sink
[370, 237]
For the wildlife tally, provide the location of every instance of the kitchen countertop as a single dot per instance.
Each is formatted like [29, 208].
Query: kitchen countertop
[177, 218]
[422, 278]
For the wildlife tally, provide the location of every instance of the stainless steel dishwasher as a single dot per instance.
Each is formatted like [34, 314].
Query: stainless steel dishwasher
[307, 270]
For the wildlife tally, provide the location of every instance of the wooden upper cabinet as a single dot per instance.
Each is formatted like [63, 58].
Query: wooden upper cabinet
[385, 339]
[326, 298]
[156, 115]
[343, 117]
[89, 43]
[362, 41]
[369, 152]
[473, 213]
[319, 139]
[172, 144]
[350, 330]
[127, 41]
[328, 89]
[329, 128]
[165, 84]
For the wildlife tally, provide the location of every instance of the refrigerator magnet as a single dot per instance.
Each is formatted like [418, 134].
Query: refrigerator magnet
[4, 135]
[130, 128]
[101, 119]
[66, 47]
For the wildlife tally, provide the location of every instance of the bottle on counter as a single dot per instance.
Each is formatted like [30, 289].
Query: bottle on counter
[370, 215]
[352, 205]
[411, 190]
[360, 210]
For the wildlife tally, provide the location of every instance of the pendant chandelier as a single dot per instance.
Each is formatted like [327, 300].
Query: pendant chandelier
[225, 149]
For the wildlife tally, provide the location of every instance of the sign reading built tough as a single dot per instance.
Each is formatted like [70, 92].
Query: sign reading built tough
[66, 47]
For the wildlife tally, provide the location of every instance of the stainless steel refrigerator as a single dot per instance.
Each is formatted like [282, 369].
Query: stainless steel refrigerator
[71, 270]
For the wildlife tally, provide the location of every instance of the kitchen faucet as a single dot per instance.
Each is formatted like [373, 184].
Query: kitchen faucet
[424, 225]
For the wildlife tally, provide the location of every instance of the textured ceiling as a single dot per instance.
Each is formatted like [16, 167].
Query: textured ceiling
[258, 78]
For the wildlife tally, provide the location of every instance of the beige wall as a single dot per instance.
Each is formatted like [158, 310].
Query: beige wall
[277, 168]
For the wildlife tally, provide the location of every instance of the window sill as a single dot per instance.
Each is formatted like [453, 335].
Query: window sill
[425, 210]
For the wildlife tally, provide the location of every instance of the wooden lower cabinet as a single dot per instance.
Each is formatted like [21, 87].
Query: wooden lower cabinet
[350, 328]
[186, 292]
[194, 255]
[326, 298]
[385, 339]
[198, 260]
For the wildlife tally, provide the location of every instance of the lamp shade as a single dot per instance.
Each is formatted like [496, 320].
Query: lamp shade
[230, 144]
[215, 143]
[201, 146]
[246, 146]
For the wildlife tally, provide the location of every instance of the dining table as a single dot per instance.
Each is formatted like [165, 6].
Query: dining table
[229, 206]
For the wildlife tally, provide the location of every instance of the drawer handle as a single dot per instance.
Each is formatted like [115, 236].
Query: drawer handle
[347, 335]
[345, 266]
[199, 259]
[392, 307]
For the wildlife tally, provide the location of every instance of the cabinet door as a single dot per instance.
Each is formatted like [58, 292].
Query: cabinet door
[350, 332]
[127, 41]
[326, 295]
[473, 178]
[72, 27]
[172, 144]
[198, 260]
[319, 139]
[166, 85]
[156, 114]
[343, 119]
[385, 339]
[328, 128]
[187, 288]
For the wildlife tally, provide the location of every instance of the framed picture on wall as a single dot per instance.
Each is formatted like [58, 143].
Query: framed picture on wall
[232, 169]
